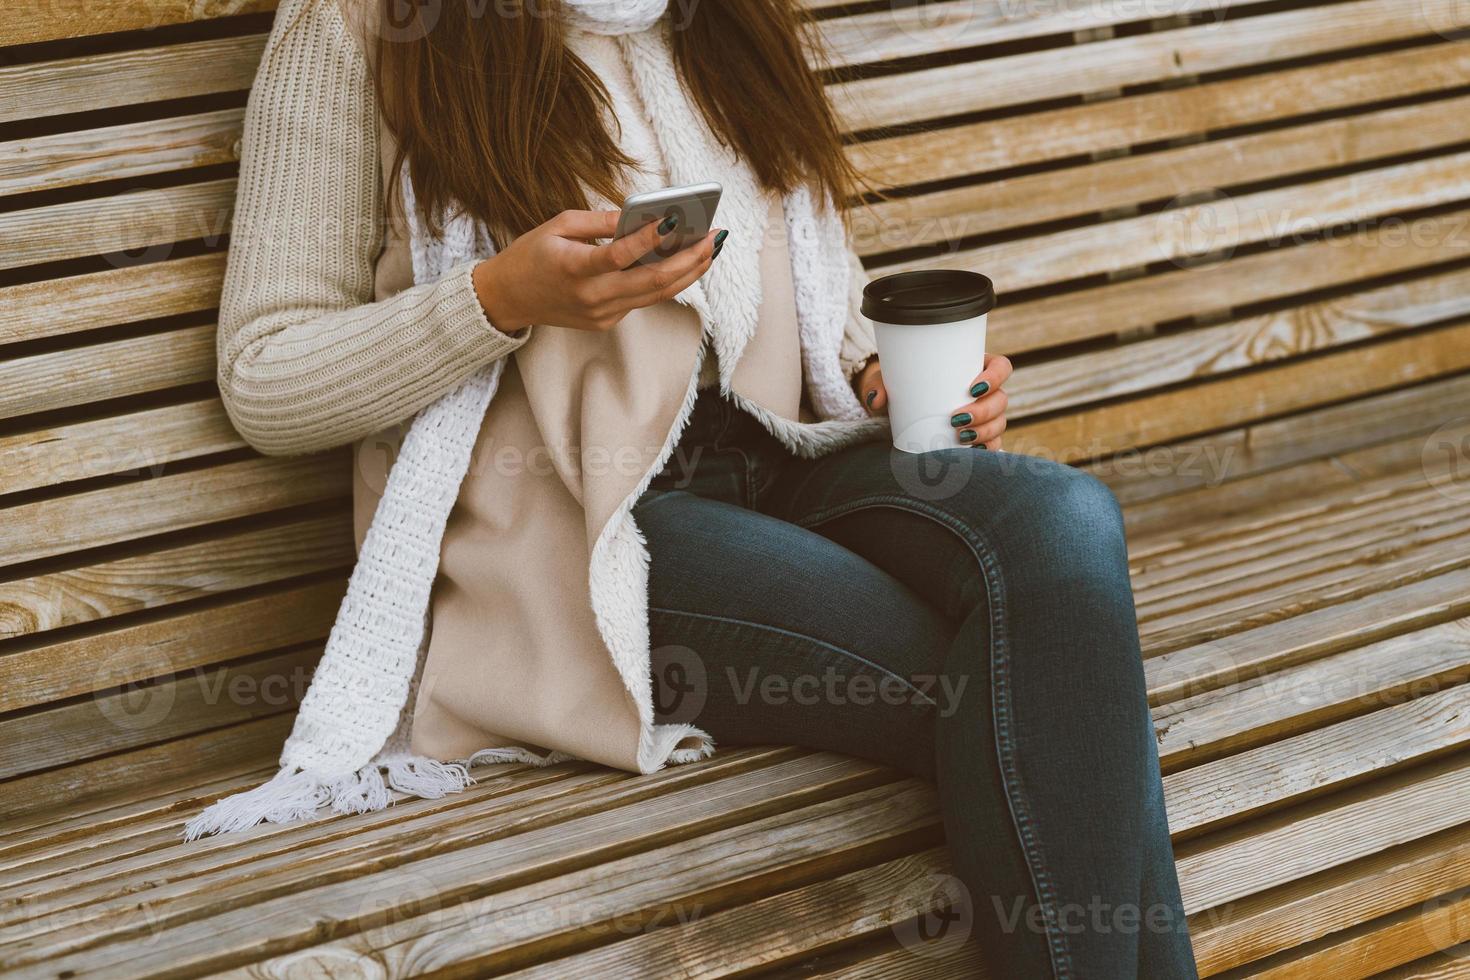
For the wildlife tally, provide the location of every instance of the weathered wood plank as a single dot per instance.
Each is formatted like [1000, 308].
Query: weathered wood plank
[169, 503]
[1323, 834]
[1259, 925]
[225, 932]
[1316, 762]
[1293, 386]
[1104, 311]
[766, 932]
[998, 205]
[33, 803]
[117, 152]
[1072, 382]
[957, 151]
[111, 369]
[1407, 935]
[53, 307]
[1216, 226]
[907, 30]
[141, 221]
[155, 579]
[1267, 709]
[29, 23]
[102, 81]
[1240, 656]
[169, 644]
[134, 444]
[1035, 77]
[691, 877]
[193, 702]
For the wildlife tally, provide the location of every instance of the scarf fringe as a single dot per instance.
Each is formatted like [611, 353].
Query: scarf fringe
[292, 794]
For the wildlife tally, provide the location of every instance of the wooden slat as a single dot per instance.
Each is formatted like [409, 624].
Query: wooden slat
[43, 382]
[191, 703]
[135, 443]
[1266, 709]
[28, 23]
[956, 151]
[1257, 926]
[1362, 951]
[1226, 472]
[993, 206]
[907, 30]
[688, 878]
[52, 307]
[1242, 655]
[1034, 77]
[118, 152]
[41, 800]
[168, 644]
[102, 81]
[1316, 762]
[1104, 311]
[154, 579]
[169, 503]
[764, 933]
[142, 220]
[1174, 415]
[1448, 964]
[1203, 353]
[1323, 834]
[204, 925]
[1215, 226]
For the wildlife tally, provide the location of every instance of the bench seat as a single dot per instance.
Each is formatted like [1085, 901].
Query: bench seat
[1231, 244]
[1306, 643]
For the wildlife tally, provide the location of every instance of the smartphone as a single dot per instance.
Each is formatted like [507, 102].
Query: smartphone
[694, 206]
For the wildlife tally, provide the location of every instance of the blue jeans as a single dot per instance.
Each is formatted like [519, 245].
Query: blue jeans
[965, 616]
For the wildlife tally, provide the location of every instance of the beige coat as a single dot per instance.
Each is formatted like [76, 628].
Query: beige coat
[516, 657]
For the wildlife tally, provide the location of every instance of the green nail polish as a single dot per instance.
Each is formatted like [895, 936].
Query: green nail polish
[964, 418]
[668, 224]
[979, 388]
[720, 238]
[872, 396]
[716, 253]
[967, 436]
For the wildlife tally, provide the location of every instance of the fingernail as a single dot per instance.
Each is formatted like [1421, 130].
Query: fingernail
[872, 395]
[964, 418]
[967, 436]
[668, 224]
[979, 388]
[716, 253]
[720, 238]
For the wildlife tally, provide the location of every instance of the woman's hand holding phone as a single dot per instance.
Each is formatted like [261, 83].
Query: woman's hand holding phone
[555, 275]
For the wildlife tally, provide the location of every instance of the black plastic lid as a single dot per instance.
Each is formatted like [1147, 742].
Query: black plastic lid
[928, 296]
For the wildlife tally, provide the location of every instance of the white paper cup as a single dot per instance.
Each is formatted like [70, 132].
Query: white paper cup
[930, 327]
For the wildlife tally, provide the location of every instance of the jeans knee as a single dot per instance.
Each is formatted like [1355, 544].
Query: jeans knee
[1074, 517]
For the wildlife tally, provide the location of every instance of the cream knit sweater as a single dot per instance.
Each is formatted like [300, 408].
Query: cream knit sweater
[307, 358]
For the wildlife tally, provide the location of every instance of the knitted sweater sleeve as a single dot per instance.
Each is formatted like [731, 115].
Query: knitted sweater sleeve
[307, 360]
[858, 342]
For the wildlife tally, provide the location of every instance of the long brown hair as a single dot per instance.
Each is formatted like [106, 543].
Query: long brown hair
[494, 114]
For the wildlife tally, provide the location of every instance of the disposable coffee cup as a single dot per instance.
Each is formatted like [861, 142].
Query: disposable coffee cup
[930, 327]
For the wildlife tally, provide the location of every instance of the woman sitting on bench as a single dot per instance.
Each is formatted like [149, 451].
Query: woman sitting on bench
[637, 511]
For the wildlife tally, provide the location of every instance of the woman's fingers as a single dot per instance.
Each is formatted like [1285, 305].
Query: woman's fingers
[664, 279]
[997, 371]
[989, 406]
[985, 434]
[583, 226]
[616, 255]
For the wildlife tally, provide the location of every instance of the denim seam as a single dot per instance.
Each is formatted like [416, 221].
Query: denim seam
[1000, 701]
[799, 636]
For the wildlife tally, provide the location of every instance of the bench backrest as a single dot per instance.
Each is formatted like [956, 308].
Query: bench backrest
[1201, 214]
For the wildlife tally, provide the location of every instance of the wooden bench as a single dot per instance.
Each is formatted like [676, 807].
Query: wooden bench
[1234, 245]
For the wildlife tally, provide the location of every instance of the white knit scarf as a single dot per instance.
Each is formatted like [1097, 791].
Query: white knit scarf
[351, 741]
